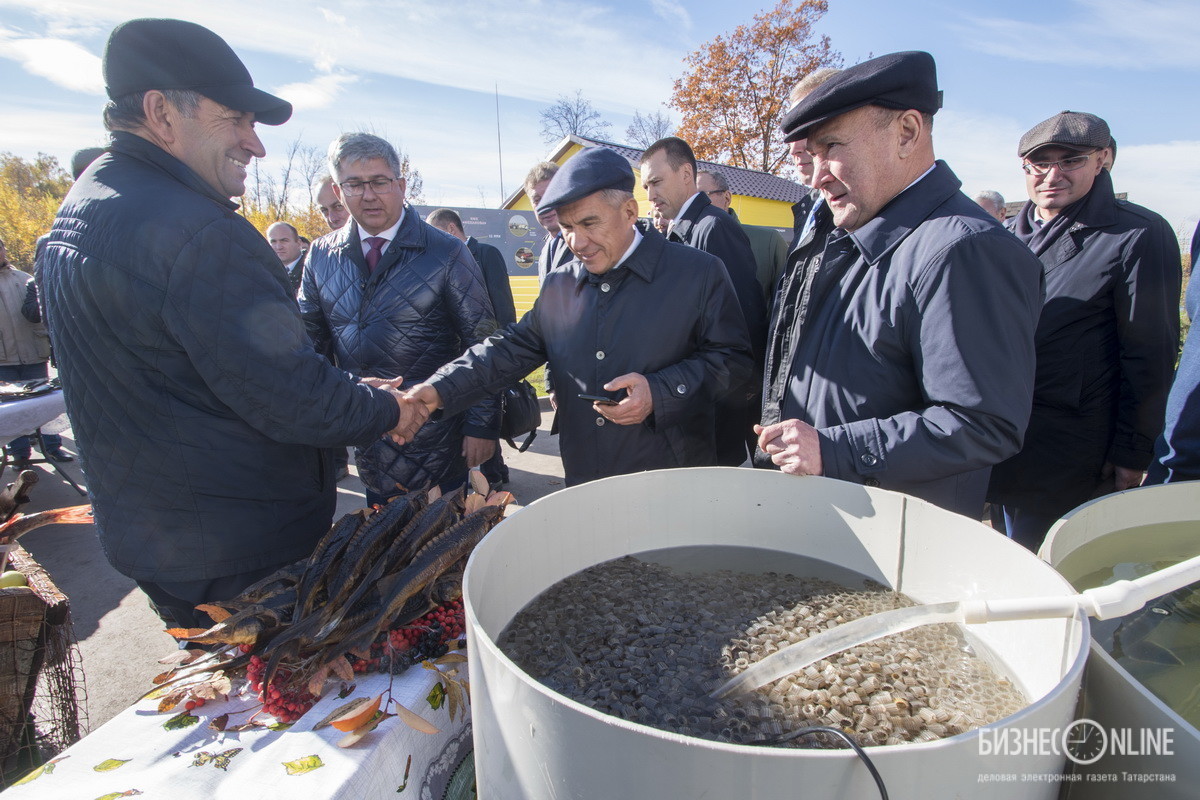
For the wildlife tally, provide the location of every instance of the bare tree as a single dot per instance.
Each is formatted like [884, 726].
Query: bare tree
[312, 166]
[645, 131]
[571, 115]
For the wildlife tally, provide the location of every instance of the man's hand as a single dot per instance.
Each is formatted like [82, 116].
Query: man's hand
[635, 406]
[425, 394]
[413, 414]
[793, 446]
[1123, 477]
[477, 451]
[553, 401]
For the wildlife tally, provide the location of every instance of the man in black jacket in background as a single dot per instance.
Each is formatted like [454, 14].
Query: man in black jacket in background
[669, 178]
[1108, 333]
[198, 402]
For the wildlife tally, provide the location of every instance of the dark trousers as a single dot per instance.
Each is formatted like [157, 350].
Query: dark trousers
[20, 447]
[175, 602]
[1025, 527]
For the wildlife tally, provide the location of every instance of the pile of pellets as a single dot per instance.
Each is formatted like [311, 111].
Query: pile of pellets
[640, 641]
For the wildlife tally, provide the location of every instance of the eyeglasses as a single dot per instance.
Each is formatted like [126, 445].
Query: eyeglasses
[1064, 164]
[378, 186]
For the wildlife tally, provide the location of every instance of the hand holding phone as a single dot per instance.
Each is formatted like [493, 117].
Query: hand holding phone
[597, 398]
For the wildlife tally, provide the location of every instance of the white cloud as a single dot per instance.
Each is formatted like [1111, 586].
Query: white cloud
[64, 63]
[673, 12]
[320, 92]
[1149, 34]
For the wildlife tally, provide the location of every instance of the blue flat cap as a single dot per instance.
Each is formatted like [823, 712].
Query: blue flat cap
[897, 80]
[591, 170]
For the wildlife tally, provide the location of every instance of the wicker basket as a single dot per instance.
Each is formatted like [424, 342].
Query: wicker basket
[27, 616]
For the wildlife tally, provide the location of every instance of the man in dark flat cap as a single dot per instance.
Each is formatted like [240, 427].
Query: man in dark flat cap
[198, 402]
[906, 359]
[1108, 333]
[652, 325]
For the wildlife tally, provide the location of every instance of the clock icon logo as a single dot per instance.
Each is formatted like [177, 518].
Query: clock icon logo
[1085, 741]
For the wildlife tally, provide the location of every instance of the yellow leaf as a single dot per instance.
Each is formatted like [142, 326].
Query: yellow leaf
[303, 765]
[108, 765]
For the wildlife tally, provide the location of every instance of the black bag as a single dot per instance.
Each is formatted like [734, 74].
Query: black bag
[521, 414]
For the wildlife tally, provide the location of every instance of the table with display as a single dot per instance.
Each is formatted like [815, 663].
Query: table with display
[31, 416]
[172, 755]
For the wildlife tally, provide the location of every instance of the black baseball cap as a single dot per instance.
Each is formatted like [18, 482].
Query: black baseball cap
[897, 80]
[145, 54]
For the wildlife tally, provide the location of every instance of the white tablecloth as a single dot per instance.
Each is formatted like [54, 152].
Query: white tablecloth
[196, 761]
[21, 417]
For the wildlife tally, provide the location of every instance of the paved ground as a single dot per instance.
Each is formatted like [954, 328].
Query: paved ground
[120, 639]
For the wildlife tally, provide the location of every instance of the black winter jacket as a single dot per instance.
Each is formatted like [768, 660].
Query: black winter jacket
[197, 400]
[425, 303]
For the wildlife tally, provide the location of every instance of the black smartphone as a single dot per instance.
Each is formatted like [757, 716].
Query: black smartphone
[601, 399]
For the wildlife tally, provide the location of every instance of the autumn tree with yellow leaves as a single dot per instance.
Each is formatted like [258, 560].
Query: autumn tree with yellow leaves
[734, 93]
[30, 194]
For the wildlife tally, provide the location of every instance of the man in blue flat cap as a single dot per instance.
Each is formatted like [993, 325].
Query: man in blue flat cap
[901, 346]
[198, 402]
[651, 327]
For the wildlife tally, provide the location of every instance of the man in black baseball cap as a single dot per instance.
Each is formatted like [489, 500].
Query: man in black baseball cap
[201, 410]
[1108, 334]
[641, 334]
[906, 359]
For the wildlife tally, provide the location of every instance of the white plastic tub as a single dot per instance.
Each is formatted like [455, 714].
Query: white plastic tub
[1140, 525]
[531, 742]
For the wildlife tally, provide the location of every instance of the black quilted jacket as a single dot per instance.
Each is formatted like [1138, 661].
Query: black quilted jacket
[425, 304]
[197, 400]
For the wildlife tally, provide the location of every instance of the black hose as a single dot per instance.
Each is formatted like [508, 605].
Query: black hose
[849, 740]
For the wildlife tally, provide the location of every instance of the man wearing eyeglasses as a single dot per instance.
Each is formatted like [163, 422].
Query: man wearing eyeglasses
[1108, 333]
[389, 295]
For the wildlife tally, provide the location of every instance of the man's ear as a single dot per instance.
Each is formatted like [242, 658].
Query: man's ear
[160, 116]
[909, 126]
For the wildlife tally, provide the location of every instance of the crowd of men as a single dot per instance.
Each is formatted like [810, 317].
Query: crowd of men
[904, 339]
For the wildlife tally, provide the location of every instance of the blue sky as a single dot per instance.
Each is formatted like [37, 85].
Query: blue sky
[424, 74]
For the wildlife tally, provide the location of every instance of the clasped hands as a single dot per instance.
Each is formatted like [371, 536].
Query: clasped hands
[794, 446]
[416, 405]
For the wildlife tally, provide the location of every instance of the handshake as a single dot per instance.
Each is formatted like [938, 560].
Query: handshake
[416, 404]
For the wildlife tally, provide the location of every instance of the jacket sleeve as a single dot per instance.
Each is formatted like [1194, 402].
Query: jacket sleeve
[721, 360]
[499, 287]
[488, 367]
[969, 323]
[471, 310]
[313, 315]
[236, 320]
[31, 308]
[1177, 457]
[1147, 309]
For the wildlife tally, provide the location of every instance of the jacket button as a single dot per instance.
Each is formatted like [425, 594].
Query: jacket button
[681, 388]
[362, 284]
[869, 459]
[604, 287]
[362, 326]
[871, 482]
[599, 421]
[600, 354]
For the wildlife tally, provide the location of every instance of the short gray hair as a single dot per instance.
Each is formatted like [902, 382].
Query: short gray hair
[126, 112]
[321, 182]
[717, 178]
[350, 147]
[615, 197]
[992, 196]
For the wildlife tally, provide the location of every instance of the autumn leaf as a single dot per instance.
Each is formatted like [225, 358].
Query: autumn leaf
[303, 765]
[182, 720]
[109, 764]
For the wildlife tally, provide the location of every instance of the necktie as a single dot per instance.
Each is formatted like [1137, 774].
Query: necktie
[373, 255]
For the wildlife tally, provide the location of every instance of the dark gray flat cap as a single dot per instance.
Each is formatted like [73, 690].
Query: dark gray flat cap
[145, 54]
[591, 170]
[898, 80]
[1075, 130]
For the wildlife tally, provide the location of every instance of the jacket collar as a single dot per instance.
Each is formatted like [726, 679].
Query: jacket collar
[905, 212]
[643, 261]
[410, 234]
[682, 226]
[135, 146]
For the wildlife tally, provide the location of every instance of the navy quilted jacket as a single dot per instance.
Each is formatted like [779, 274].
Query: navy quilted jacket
[197, 400]
[425, 303]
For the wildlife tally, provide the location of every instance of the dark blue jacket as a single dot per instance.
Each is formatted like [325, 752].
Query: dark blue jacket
[425, 303]
[1107, 339]
[1177, 454]
[495, 276]
[910, 346]
[197, 400]
[668, 312]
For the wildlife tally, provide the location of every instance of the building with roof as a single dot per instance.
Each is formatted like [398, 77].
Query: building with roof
[759, 198]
